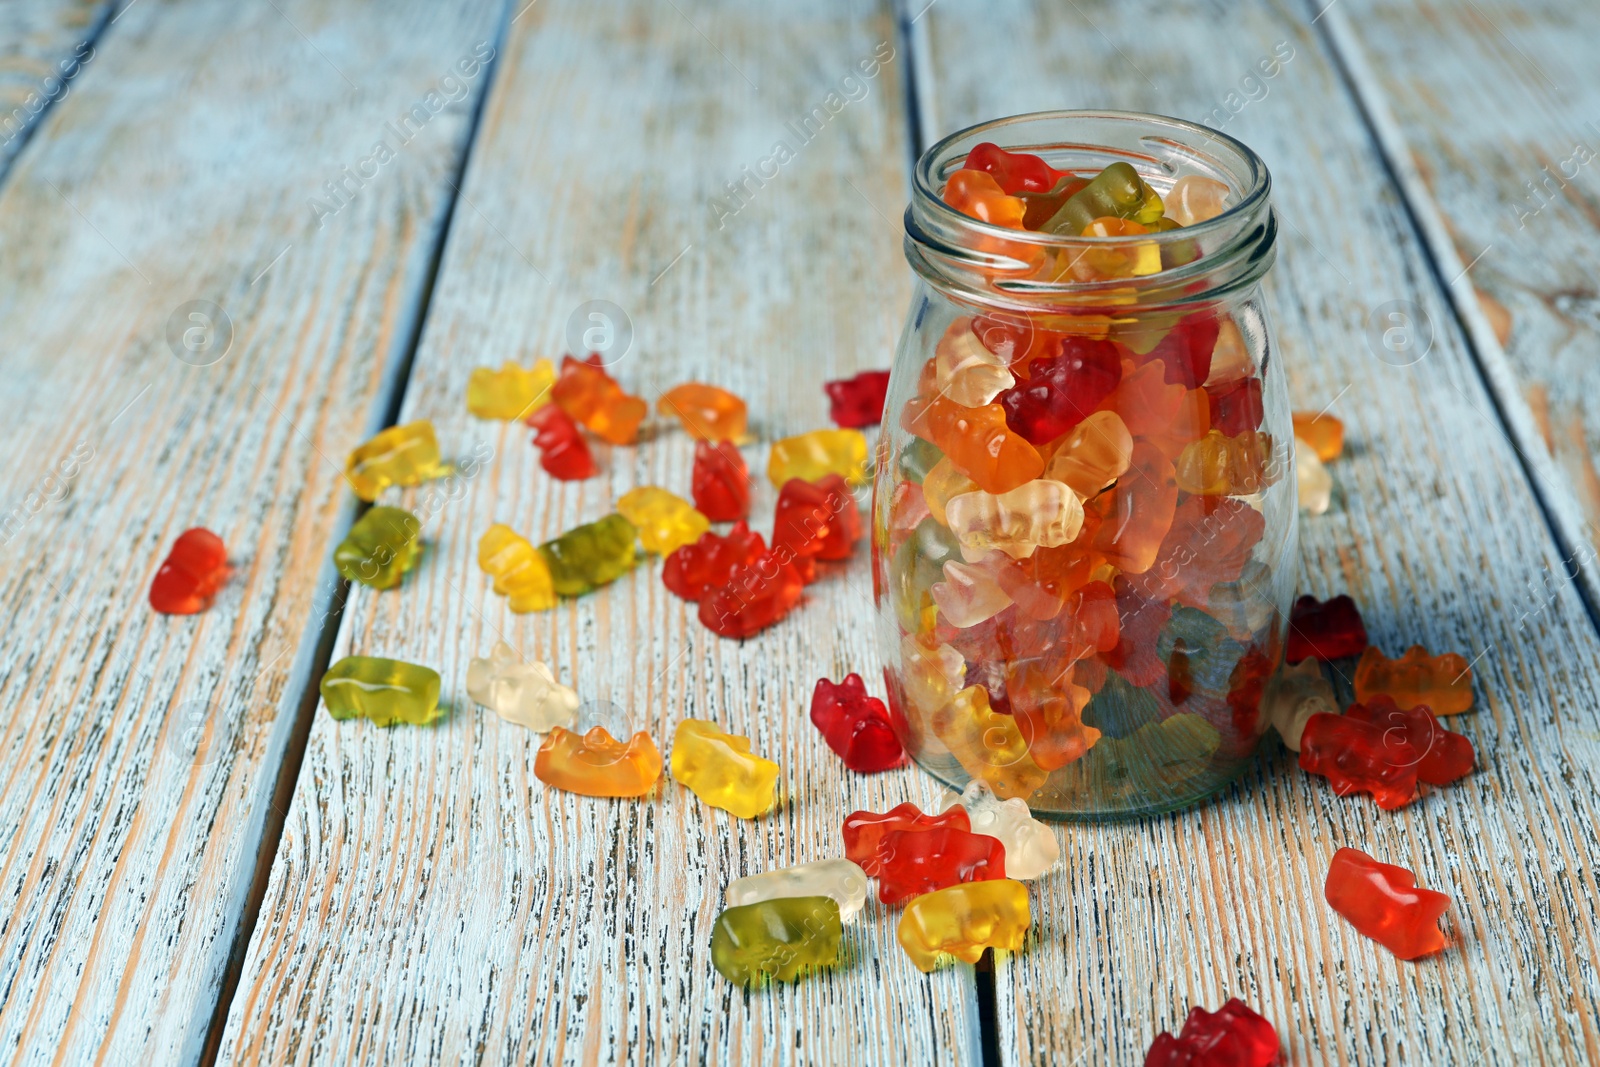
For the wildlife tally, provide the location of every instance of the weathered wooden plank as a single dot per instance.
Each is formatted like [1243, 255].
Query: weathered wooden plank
[1490, 116]
[139, 753]
[44, 44]
[431, 899]
[1437, 535]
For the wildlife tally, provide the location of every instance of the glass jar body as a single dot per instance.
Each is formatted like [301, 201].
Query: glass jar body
[1084, 546]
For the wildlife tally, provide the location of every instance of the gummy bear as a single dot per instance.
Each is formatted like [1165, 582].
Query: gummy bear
[1442, 682]
[969, 594]
[856, 726]
[1164, 416]
[1039, 513]
[721, 481]
[708, 412]
[1195, 198]
[1314, 485]
[1062, 388]
[526, 694]
[965, 371]
[1443, 756]
[401, 455]
[1361, 757]
[1384, 902]
[974, 193]
[380, 547]
[1047, 706]
[510, 392]
[987, 744]
[1134, 517]
[596, 764]
[841, 880]
[592, 397]
[941, 483]
[810, 456]
[964, 920]
[1209, 541]
[1041, 206]
[1231, 1036]
[1328, 630]
[755, 596]
[1124, 259]
[1237, 407]
[857, 402]
[1142, 619]
[1093, 455]
[1323, 432]
[563, 453]
[721, 770]
[1187, 350]
[191, 574]
[915, 862]
[864, 832]
[818, 519]
[665, 520]
[519, 570]
[385, 691]
[694, 570]
[1117, 190]
[1014, 172]
[977, 441]
[776, 939]
[1219, 465]
[1031, 847]
[589, 556]
[1293, 696]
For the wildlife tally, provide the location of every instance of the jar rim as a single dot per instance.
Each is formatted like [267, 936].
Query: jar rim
[1243, 234]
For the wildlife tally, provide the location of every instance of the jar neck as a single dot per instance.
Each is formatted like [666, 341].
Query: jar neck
[1026, 271]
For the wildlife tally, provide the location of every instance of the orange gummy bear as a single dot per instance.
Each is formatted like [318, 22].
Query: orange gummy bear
[706, 411]
[988, 745]
[976, 193]
[597, 764]
[1442, 682]
[591, 396]
[977, 441]
[1219, 465]
[1324, 433]
[1135, 516]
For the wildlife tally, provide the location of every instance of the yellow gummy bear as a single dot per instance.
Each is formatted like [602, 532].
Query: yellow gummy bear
[518, 569]
[988, 745]
[512, 392]
[665, 520]
[400, 455]
[809, 456]
[963, 920]
[721, 770]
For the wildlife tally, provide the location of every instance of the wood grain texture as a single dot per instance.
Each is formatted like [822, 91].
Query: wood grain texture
[432, 900]
[43, 45]
[1436, 534]
[1491, 115]
[138, 752]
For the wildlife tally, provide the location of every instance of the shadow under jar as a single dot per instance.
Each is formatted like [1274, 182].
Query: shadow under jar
[1084, 540]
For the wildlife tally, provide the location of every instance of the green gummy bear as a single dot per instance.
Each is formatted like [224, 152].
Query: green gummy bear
[381, 546]
[589, 556]
[1118, 191]
[386, 691]
[776, 939]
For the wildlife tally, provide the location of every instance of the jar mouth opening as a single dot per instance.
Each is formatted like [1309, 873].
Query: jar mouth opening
[1236, 245]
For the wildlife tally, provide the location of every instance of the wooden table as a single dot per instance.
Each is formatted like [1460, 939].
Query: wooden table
[196, 863]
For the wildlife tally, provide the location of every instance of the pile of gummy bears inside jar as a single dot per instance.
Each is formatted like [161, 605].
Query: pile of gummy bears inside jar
[957, 874]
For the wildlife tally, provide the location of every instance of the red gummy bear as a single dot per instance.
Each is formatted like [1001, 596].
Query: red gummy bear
[1062, 388]
[1232, 1036]
[756, 595]
[1210, 540]
[1361, 757]
[1016, 172]
[1329, 629]
[816, 519]
[562, 451]
[1186, 350]
[864, 831]
[1385, 903]
[191, 574]
[914, 862]
[856, 402]
[855, 725]
[1444, 756]
[1141, 619]
[720, 482]
[694, 570]
[1236, 406]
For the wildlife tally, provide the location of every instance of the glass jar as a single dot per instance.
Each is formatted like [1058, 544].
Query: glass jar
[1084, 541]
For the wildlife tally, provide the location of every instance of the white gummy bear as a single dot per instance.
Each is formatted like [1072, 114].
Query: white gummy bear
[1031, 846]
[839, 879]
[523, 693]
